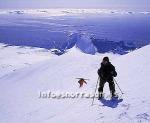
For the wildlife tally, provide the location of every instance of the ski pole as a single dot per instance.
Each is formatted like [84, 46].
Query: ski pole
[95, 91]
[118, 86]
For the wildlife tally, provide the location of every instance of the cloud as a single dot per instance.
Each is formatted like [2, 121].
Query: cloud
[130, 4]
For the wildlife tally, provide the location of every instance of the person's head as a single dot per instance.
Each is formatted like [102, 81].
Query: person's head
[105, 60]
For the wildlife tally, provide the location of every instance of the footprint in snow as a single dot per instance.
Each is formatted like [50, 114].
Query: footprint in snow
[143, 117]
[124, 115]
[126, 106]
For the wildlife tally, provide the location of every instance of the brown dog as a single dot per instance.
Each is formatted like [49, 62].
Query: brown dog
[81, 82]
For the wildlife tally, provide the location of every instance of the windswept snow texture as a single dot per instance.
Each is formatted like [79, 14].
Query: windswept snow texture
[90, 30]
[20, 102]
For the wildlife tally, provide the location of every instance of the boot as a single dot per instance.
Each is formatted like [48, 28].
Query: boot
[114, 95]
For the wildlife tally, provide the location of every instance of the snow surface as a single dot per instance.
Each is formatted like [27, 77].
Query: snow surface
[20, 102]
[16, 57]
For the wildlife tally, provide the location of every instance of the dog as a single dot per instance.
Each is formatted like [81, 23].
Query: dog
[81, 82]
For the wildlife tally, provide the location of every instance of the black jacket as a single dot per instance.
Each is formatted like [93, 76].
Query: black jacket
[107, 72]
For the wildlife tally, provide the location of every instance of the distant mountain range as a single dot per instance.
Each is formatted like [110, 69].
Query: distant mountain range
[60, 11]
[91, 34]
[84, 43]
[91, 45]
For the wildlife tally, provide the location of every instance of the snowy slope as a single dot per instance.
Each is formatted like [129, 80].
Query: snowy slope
[20, 57]
[20, 102]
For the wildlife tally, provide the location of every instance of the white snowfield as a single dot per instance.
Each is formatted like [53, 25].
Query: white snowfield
[16, 57]
[65, 11]
[20, 90]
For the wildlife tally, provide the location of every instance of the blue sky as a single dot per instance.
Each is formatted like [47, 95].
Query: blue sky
[114, 4]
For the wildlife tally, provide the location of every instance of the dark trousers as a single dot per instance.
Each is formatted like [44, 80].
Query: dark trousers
[111, 85]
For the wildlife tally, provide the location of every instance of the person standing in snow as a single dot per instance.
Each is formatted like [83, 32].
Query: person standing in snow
[106, 73]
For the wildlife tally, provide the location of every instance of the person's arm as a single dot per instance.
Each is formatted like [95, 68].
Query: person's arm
[113, 72]
[100, 72]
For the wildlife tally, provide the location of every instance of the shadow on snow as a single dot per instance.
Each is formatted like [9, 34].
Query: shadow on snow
[113, 103]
